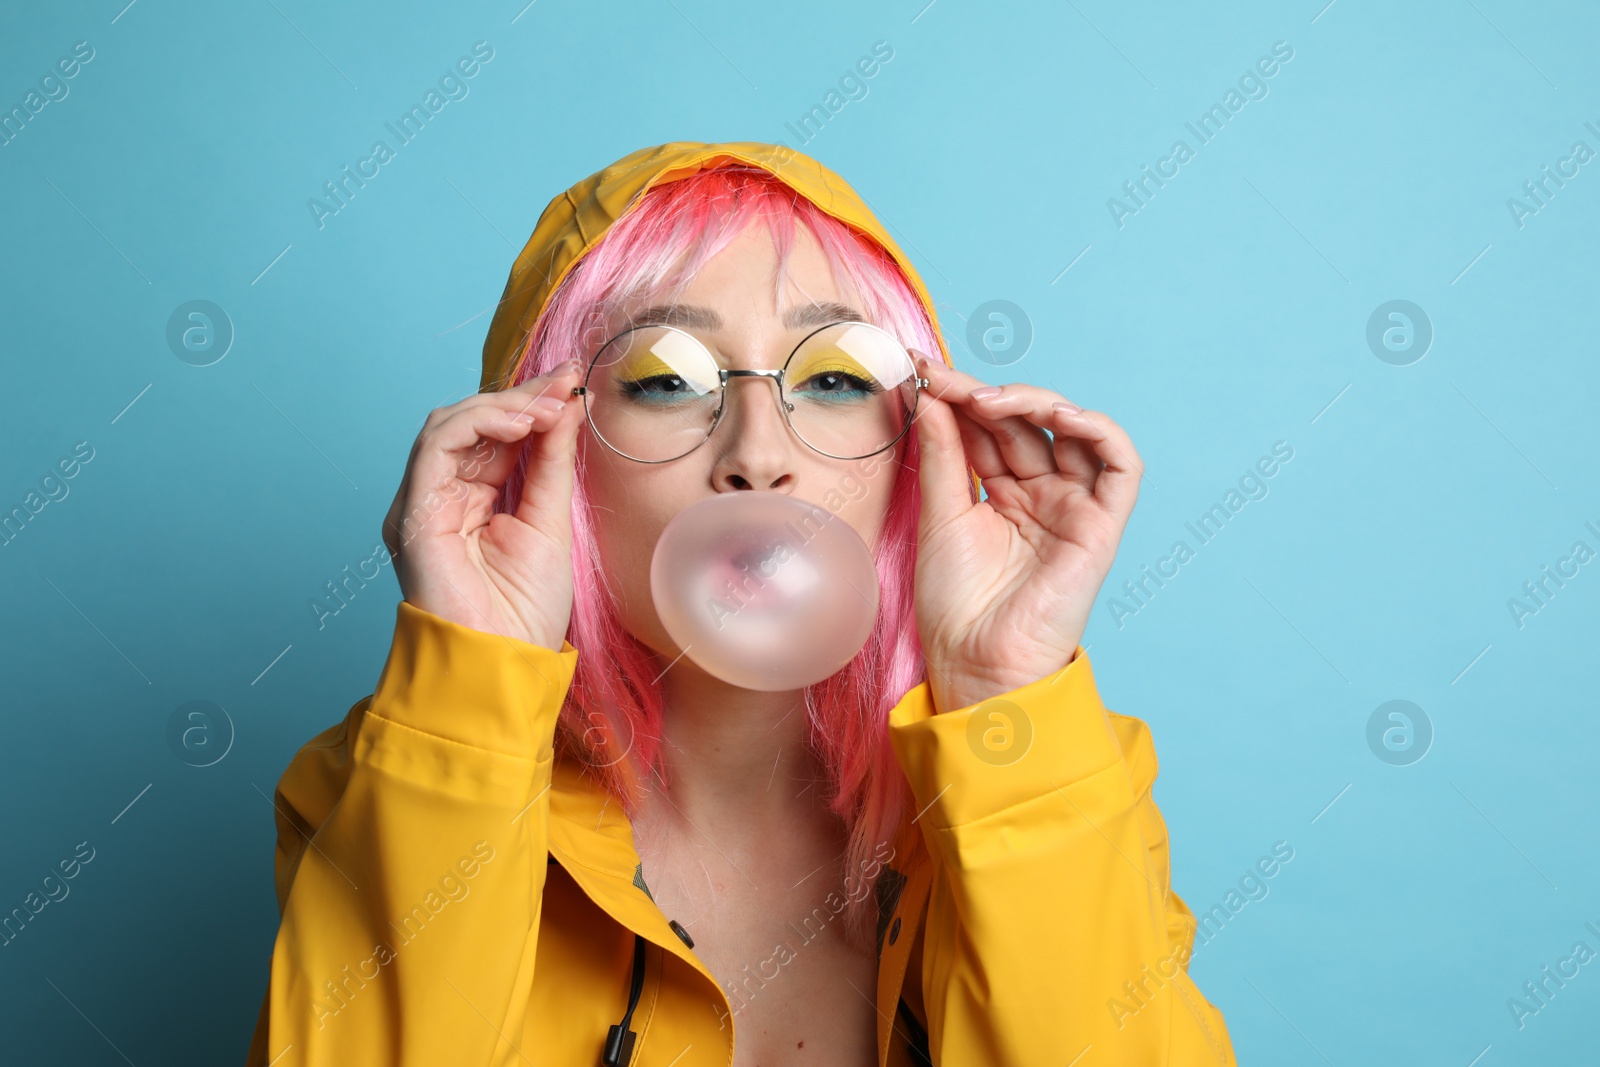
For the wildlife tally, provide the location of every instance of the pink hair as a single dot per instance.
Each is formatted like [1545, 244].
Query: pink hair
[613, 713]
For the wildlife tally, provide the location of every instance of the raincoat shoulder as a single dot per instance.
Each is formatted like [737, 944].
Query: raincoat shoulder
[1051, 925]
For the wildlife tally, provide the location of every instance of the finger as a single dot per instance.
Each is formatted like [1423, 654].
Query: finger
[546, 501]
[941, 467]
[557, 382]
[1023, 447]
[1037, 408]
[1077, 427]
[1072, 454]
[450, 460]
[1090, 448]
[503, 439]
[1117, 485]
[524, 399]
[396, 532]
[451, 442]
[518, 399]
[982, 454]
[983, 450]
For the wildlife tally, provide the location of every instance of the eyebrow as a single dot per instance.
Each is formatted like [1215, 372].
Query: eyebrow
[796, 318]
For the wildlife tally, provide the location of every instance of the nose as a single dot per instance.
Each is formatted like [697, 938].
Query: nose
[754, 445]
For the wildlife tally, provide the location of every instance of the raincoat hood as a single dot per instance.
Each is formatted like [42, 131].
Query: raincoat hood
[577, 219]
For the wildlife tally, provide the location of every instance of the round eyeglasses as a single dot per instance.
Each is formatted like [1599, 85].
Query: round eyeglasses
[655, 393]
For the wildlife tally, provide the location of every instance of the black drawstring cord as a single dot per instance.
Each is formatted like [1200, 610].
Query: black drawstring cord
[918, 1049]
[619, 1039]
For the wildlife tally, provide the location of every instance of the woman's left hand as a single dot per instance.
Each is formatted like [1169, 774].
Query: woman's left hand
[1004, 587]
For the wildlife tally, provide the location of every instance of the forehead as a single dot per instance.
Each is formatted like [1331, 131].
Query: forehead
[746, 278]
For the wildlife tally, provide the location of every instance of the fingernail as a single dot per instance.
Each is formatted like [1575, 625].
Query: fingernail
[571, 366]
[548, 403]
[986, 392]
[1067, 406]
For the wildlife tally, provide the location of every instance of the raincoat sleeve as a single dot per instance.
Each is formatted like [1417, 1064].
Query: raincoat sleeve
[1052, 929]
[411, 858]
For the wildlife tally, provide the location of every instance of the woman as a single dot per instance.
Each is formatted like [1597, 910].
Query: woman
[550, 837]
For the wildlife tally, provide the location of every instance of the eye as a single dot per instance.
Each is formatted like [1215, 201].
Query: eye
[655, 386]
[837, 383]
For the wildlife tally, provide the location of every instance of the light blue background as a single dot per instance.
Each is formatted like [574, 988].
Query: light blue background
[1228, 314]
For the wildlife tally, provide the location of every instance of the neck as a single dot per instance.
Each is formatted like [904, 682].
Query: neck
[735, 759]
[745, 820]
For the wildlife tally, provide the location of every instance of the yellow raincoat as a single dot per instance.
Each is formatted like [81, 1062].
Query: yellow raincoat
[451, 894]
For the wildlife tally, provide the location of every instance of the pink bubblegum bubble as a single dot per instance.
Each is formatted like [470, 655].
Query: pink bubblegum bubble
[764, 591]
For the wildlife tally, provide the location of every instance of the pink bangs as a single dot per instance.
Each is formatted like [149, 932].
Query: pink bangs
[612, 717]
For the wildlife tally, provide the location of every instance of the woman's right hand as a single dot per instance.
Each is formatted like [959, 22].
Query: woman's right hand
[511, 573]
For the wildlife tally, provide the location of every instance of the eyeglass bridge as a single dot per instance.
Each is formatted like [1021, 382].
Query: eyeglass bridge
[775, 375]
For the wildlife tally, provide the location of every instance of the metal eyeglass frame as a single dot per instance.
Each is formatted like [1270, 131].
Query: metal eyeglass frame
[777, 376]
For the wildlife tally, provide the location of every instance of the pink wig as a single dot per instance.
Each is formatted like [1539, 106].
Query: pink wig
[613, 713]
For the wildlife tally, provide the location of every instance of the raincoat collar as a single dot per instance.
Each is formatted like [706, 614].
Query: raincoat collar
[591, 837]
